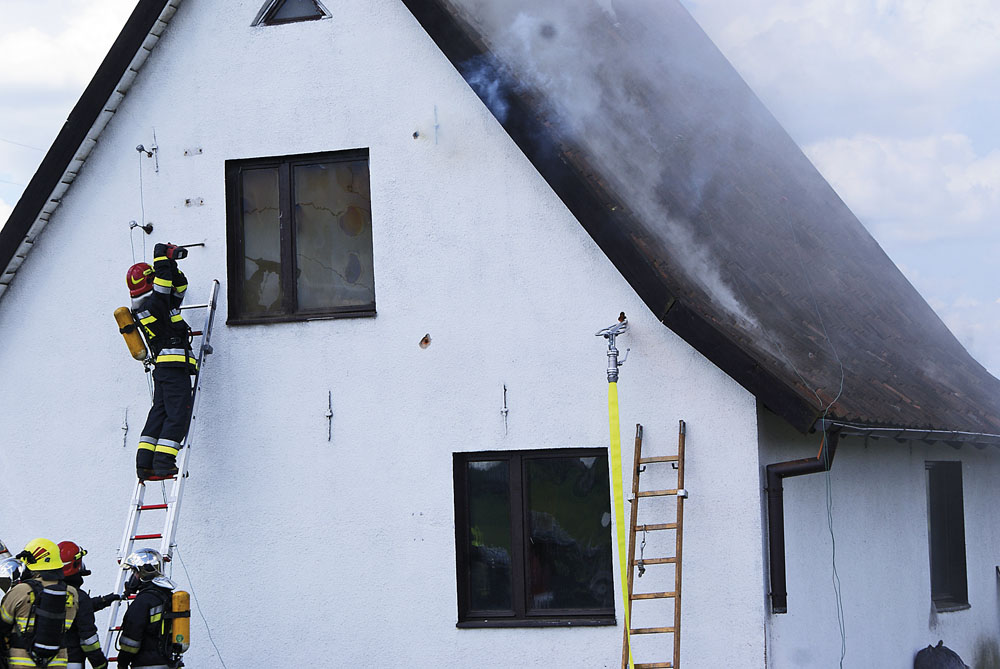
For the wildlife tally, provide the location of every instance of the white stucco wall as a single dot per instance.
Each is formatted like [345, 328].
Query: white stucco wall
[304, 552]
[879, 509]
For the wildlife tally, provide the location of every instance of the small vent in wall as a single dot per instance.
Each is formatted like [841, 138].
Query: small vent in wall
[275, 12]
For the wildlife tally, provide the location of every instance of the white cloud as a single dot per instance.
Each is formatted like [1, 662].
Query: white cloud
[50, 50]
[978, 328]
[924, 189]
[51, 45]
[821, 64]
[5, 210]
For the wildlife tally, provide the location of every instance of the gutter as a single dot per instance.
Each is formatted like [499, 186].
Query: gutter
[776, 472]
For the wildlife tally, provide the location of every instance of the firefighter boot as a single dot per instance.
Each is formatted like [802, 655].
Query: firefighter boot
[164, 465]
[144, 464]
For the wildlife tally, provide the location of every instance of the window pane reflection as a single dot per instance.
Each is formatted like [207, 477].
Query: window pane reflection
[569, 552]
[333, 236]
[490, 586]
[261, 241]
[297, 9]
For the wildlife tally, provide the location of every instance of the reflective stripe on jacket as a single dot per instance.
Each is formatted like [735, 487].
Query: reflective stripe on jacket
[16, 615]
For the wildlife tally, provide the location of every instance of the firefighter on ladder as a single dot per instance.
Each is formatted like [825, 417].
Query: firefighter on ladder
[36, 612]
[145, 641]
[157, 293]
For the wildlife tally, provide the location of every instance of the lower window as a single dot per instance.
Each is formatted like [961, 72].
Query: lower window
[533, 538]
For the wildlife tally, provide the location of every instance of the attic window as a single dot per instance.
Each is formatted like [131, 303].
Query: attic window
[276, 12]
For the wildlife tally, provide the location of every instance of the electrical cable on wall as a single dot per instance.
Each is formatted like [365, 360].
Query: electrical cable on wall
[826, 410]
[835, 577]
[208, 629]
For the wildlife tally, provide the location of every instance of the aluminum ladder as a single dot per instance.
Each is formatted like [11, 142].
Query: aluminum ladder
[677, 527]
[171, 503]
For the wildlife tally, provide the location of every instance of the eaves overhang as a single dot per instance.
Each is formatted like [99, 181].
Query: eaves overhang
[80, 133]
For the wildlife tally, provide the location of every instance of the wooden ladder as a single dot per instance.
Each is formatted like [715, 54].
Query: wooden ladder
[677, 463]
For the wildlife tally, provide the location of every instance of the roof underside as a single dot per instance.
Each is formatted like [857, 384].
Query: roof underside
[710, 210]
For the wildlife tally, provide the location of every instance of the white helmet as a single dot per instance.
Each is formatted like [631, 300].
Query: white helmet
[147, 565]
[4, 553]
[11, 570]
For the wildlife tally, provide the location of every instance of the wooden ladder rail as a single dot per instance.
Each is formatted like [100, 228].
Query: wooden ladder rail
[678, 526]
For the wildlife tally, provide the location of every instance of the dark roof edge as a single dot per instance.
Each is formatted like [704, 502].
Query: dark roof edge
[592, 208]
[74, 132]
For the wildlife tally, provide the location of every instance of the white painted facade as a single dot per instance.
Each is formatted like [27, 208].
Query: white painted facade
[307, 552]
[879, 511]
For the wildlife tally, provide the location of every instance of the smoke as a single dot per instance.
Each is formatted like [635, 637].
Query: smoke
[616, 110]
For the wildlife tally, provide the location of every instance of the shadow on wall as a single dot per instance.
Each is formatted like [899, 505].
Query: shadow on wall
[987, 653]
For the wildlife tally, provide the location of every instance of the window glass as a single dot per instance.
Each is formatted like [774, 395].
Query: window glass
[295, 10]
[300, 237]
[333, 233]
[946, 534]
[533, 538]
[569, 547]
[261, 241]
[489, 547]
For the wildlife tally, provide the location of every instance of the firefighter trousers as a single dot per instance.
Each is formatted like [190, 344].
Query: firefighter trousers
[167, 422]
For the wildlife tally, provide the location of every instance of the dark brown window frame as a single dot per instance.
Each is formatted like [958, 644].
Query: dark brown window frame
[946, 535]
[517, 616]
[234, 238]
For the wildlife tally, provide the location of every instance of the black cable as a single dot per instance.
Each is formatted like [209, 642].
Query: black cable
[198, 606]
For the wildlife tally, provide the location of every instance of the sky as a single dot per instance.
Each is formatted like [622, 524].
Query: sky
[895, 101]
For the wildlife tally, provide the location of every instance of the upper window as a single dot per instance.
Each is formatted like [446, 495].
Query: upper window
[275, 12]
[300, 237]
[946, 535]
[533, 538]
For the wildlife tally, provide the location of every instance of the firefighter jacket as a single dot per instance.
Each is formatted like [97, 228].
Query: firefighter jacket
[159, 315]
[82, 641]
[145, 628]
[18, 616]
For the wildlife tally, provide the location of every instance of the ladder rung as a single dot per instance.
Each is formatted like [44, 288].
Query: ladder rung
[655, 561]
[654, 595]
[657, 526]
[657, 493]
[661, 458]
[151, 507]
[153, 536]
[653, 630]
[159, 478]
[653, 665]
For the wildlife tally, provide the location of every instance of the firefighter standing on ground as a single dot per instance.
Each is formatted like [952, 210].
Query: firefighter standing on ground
[145, 640]
[157, 293]
[36, 612]
[82, 641]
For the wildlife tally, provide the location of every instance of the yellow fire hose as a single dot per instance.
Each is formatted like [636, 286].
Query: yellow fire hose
[616, 483]
[610, 333]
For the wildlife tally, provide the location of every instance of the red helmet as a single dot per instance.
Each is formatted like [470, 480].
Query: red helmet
[139, 279]
[72, 557]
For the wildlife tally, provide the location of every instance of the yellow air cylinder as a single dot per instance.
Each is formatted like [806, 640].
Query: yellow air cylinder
[129, 330]
[181, 630]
